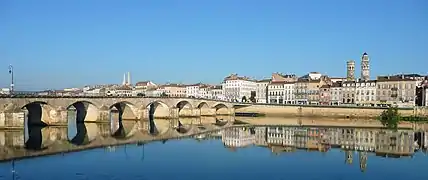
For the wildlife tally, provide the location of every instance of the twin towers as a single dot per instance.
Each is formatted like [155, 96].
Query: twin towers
[365, 69]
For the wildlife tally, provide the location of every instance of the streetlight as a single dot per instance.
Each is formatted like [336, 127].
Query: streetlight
[11, 73]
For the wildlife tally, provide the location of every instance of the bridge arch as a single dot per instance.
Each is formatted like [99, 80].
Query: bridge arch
[184, 105]
[158, 114]
[158, 109]
[221, 109]
[82, 111]
[38, 113]
[203, 105]
[122, 118]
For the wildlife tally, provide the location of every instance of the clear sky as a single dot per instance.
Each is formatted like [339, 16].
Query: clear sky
[66, 43]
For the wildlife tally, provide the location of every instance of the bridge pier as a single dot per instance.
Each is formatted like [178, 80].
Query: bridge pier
[103, 116]
[59, 117]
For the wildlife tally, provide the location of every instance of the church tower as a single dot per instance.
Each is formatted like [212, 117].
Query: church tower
[350, 70]
[365, 67]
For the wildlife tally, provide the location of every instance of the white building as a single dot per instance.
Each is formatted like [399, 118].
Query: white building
[365, 93]
[289, 96]
[153, 92]
[141, 87]
[216, 92]
[193, 90]
[261, 93]
[94, 91]
[276, 93]
[120, 91]
[235, 88]
[204, 91]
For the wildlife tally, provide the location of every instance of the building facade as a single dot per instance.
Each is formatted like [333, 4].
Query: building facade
[365, 93]
[173, 90]
[348, 91]
[325, 95]
[193, 90]
[261, 93]
[235, 87]
[301, 91]
[395, 91]
[336, 94]
[141, 87]
[289, 94]
[217, 92]
[276, 93]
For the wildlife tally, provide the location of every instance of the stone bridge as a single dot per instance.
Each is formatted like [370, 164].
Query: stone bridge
[55, 110]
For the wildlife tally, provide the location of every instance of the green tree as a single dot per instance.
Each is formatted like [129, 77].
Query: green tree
[390, 118]
[164, 94]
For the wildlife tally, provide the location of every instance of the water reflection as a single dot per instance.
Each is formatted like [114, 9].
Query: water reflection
[279, 139]
[352, 148]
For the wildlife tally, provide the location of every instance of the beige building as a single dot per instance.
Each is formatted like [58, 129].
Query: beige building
[301, 91]
[173, 90]
[142, 86]
[348, 91]
[289, 94]
[395, 90]
[261, 93]
[365, 93]
[314, 89]
[123, 90]
[281, 88]
[325, 95]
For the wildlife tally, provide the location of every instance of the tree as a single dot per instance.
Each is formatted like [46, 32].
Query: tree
[141, 94]
[390, 118]
[164, 94]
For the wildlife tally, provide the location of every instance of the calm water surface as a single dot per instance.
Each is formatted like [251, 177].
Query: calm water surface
[275, 152]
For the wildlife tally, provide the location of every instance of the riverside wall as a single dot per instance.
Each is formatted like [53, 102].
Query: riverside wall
[325, 111]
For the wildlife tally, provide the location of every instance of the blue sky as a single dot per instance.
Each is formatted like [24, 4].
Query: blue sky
[59, 43]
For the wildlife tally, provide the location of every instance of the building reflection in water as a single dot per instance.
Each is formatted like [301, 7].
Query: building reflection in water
[380, 142]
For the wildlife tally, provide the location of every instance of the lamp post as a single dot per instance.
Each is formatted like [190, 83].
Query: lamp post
[11, 73]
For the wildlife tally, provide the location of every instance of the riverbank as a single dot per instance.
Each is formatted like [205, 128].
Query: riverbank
[346, 112]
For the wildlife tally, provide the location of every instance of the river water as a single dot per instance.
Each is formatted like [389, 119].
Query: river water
[244, 152]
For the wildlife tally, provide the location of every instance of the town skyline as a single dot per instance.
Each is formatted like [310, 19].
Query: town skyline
[135, 80]
[58, 45]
